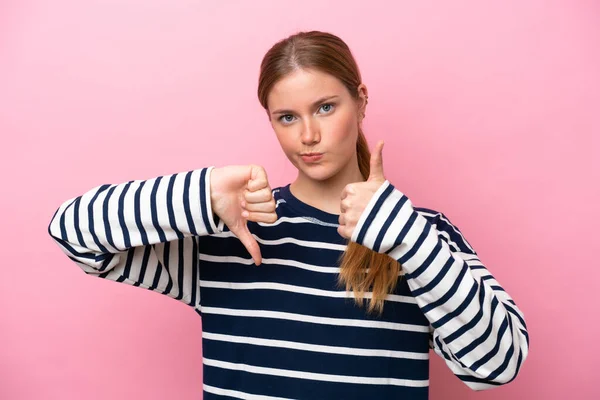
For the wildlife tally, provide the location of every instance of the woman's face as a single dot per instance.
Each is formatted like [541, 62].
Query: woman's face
[313, 112]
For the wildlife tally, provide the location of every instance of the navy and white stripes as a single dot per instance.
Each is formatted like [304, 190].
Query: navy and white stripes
[476, 326]
[142, 232]
[286, 329]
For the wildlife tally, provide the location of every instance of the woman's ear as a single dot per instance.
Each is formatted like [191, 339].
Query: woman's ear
[363, 96]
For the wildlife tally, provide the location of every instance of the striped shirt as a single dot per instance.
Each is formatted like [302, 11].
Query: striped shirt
[286, 329]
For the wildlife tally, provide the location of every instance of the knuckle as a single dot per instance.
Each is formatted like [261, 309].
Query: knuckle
[266, 194]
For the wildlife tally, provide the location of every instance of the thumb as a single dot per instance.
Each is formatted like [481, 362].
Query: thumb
[244, 235]
[376, 172]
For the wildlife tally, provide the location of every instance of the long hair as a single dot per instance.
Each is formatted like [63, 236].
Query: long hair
[361, 269]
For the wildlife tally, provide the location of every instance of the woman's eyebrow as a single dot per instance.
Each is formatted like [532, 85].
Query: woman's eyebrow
[316, 103]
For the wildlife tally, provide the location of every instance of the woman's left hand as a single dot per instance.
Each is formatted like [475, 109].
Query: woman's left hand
[356, 196]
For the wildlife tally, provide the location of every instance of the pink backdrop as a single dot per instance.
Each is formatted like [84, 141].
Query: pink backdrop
[490, 112]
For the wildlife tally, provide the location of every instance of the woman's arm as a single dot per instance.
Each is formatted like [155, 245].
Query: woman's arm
[143, 232]
[476, 327]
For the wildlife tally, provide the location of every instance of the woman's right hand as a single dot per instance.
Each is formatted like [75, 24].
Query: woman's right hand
[241, 193]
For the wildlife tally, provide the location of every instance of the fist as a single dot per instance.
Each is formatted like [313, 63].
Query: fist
[356, 196]
[240, 194]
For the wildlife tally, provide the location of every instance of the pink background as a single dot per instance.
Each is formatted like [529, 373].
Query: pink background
[490, 112]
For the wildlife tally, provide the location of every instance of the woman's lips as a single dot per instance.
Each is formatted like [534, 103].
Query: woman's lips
[311, 157]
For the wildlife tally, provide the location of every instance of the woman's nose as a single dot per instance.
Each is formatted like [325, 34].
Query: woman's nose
[310, 133]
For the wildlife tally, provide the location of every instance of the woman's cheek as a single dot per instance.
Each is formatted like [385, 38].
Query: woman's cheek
[284, 142]
[290, 152]
[344, 132]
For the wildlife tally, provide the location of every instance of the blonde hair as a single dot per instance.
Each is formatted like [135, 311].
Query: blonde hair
[328, 53]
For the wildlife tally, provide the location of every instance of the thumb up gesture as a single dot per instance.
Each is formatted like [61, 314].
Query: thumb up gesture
[356, 196]
[240, 194]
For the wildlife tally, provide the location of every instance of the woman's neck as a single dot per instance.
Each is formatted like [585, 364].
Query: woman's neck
[326, 194]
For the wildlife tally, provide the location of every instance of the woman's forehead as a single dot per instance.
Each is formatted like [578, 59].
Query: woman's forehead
[302, 88]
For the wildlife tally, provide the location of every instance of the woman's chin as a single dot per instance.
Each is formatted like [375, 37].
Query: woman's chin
[319, 173]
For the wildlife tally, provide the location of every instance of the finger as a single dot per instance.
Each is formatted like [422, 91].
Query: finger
[345, 205]
[260, 196]
[344, 193]
[342, 219]
[376, 172]
[257, 184]
[348, 190]
[342, 232]
[244, 235]
[259, 207]
[267, 218]
[258, 179]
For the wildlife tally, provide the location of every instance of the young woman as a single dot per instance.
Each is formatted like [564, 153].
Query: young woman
[281, 277]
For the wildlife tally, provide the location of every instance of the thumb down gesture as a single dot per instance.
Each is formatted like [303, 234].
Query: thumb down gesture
[240, 194]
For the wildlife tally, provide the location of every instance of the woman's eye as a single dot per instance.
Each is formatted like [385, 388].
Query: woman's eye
[287, 118]
[327, 107]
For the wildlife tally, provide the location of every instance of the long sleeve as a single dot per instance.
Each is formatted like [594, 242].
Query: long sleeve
[142, 232]
[476, 327]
